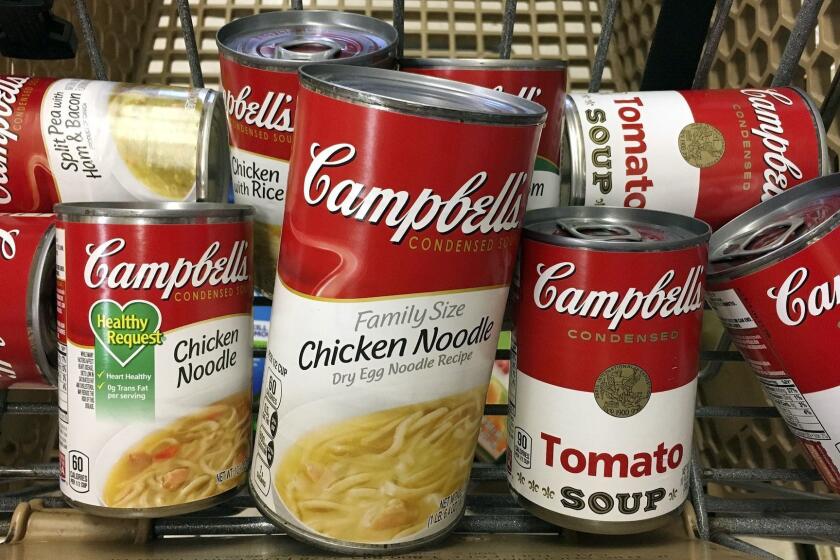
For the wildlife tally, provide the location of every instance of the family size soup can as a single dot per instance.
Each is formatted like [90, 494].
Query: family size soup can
[542, 81]
[154, 376]
[27, 319]
[85, 141]
[393, 275]
[774, 283]
[712, 154]
[604, 366]
[260, 56]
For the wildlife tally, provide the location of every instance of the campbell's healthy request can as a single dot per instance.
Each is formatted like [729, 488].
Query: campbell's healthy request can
[542, 81]
[392, 280]
[27, 317]
[711, 154]
[774, 283]
[155, 333]
[81, 141]
[604, 365]
[260, 56]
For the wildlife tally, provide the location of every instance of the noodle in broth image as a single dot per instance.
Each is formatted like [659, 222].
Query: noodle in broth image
[155, 333]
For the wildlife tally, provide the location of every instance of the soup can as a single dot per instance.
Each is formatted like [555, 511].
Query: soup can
[375, 382]
[154, 376]
[260, 56]
[774, 283]
[712, 154]
[603, 370]
[542, 81]
[27, 320]
[81, 141]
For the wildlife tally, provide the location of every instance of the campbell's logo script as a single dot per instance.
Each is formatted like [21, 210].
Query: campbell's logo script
[7, 243]
[525, 92]
[793, 309]
[9, 90]
[272, 113]
[664, 299]
[166, 276]
[771, 132]
[402, 212]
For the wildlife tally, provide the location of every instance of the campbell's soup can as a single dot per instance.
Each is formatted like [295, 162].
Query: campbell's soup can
[84, 141]
[260, 56]
[711, 154]
[604, 359]
[155, 334]
[377, 368]
[542, 81]
[27, 318]
[774, 283]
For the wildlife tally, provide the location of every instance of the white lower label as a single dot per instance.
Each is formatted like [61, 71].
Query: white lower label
[730, 309]
[545, 190]
[793, 406]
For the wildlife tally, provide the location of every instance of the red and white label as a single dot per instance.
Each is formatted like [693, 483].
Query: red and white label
[21, 242]
[603, 380]
[392, 280]
[709, 154]
[783, 319]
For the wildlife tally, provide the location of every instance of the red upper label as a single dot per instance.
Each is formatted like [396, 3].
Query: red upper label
[583, 311]
[191, 272]
[20, 237]
[546, 87]
[383, 203]
[260, 106]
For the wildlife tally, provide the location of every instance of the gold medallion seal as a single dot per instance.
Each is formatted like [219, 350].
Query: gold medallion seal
[622, 390]
[701, 144]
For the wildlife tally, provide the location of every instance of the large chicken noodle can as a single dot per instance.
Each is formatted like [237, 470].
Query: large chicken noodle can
[708, 154]
[27, 320]
[774, 283]
[155, 331]
[542, 81]
[604, 364]
[260, 56]
[80, 141]
[377, 368]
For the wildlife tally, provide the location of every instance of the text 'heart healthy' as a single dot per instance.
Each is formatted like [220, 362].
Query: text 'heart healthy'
[124, 331]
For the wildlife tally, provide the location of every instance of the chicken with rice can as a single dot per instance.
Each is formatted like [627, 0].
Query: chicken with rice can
[260, 56]
[376, 370]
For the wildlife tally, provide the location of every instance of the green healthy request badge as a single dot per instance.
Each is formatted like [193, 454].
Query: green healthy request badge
[124, 357]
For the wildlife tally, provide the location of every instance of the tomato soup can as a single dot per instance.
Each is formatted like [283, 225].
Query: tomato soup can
[260, 56]
[154, 377]
[604, 366]
[712, 154]
[27, 281]
[392, 279]
[774, 283]
[542, 81]
[74, 140]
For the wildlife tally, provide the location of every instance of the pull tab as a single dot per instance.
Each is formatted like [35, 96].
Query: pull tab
[603, 231]
[307, 49]
[735, 250]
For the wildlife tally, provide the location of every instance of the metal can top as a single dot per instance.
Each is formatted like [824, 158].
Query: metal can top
[152, 212]
[615, 229]
[483, 63]
[287, 40]
[426, 96]
[775, 229]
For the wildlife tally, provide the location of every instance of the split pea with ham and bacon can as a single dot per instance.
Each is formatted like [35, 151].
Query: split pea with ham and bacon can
[155, 334]
[712, 154]
[260, 56]
[603, 370]
[377, 368]
[541, 81]
[774, 283]
[27, 321]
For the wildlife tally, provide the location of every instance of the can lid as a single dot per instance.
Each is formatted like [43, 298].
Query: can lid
[484, 63]
[151, 210]
[415, 94]
[292, 38]
[615, 229]
[775, 229]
